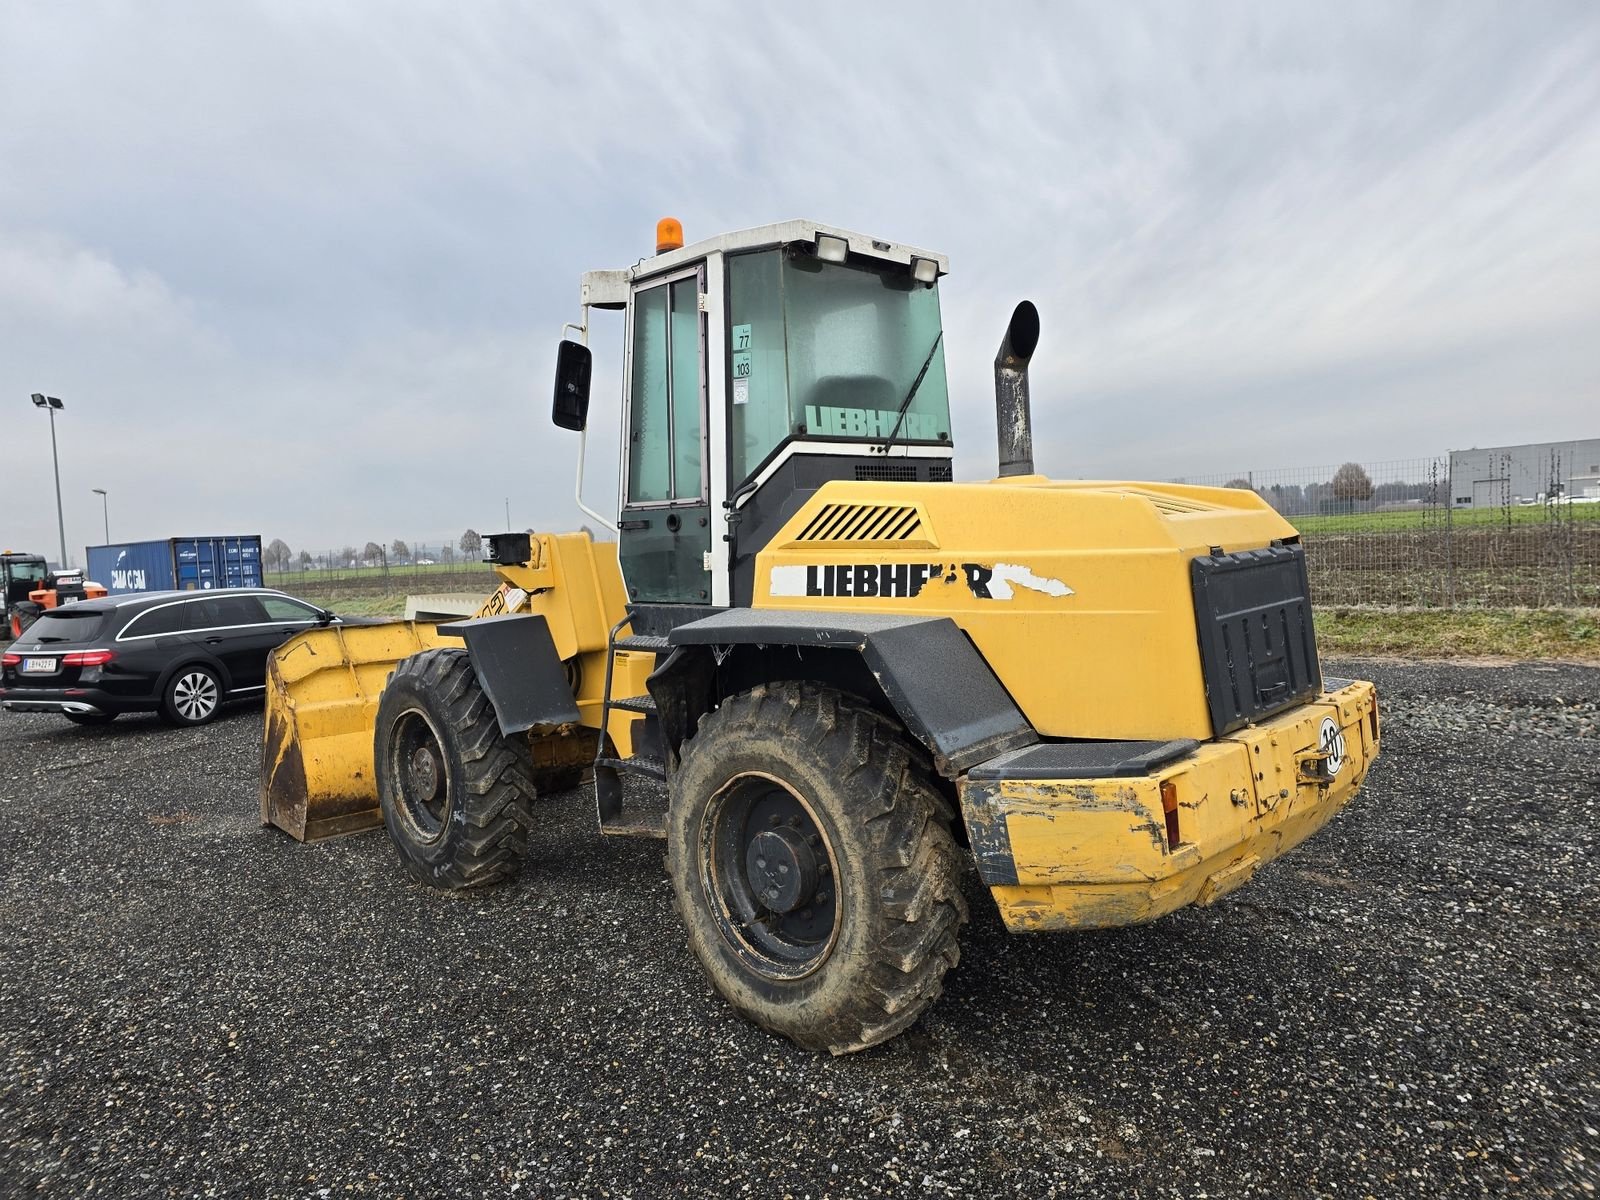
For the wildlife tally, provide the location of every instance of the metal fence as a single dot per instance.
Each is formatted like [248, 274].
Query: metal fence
[1400, 533]
[424, 569]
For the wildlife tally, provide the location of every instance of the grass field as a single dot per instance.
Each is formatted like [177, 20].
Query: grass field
[1568, 634]
[1461, 518]
[393, 571]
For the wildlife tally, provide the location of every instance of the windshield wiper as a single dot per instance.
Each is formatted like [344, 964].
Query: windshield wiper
[912, 394]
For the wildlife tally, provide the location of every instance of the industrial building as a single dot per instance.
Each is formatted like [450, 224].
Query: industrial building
[1498, 475]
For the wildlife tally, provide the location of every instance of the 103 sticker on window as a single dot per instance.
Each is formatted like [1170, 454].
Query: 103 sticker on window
[741, 364]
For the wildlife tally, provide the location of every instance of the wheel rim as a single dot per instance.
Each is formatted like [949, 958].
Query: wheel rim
[195, 696]
[420, 773]
[771, 876]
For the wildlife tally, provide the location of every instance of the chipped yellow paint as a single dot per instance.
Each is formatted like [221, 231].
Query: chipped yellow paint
[1095, 854]
[1117, 658]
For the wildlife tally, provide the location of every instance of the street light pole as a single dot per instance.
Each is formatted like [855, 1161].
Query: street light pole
[51, 404]
[105, 510]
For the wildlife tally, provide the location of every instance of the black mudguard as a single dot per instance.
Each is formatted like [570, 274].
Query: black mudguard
[929, 672]
[515, 660]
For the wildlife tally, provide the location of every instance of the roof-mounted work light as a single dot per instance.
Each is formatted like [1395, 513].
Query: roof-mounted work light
[832, 249]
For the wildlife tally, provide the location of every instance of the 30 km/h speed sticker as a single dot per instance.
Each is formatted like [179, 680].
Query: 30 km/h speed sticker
[1330, 741]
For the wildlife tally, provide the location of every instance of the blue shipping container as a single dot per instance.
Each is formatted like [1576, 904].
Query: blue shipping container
[185, 564]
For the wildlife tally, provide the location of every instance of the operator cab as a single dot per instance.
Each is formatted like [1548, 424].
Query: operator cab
[760, 365]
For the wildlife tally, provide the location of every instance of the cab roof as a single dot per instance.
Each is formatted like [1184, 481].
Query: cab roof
[609, 289]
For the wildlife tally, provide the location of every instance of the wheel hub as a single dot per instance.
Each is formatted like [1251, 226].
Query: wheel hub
[782, 869]
[425, 773]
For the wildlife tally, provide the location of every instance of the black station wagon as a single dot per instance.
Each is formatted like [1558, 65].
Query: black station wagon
[177, 653]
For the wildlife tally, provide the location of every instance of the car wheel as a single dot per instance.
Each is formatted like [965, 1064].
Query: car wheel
[99, 718]
[192, 697]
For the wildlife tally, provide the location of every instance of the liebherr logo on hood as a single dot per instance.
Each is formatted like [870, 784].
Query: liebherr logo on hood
[997, 581]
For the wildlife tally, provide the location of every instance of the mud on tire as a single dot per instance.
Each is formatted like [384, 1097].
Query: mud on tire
[797, 781]
[455, 794]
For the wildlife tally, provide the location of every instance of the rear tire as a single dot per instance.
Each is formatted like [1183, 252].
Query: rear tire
[103, 718]
[813, 867]
[193, 696]
[455, 794]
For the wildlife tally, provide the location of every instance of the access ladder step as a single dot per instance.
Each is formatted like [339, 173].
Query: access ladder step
[639, 641]
[636, 704]
[652, 825]
[654, 768]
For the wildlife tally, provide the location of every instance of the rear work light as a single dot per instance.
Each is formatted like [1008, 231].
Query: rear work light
[87, 658]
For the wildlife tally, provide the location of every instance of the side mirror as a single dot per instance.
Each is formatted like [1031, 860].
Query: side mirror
[571, 407]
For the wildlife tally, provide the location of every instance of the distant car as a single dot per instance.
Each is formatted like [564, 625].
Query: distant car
[181, 654]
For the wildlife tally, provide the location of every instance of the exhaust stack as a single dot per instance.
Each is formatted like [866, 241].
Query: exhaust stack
[1013, 418]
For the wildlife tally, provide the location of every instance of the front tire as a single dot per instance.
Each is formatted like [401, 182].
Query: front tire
[813, 866]
[193, 696]
[455, 794]
[23, 614]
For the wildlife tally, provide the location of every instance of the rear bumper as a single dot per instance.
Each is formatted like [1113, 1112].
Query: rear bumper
[52, 706]
[1073, 853]
[64, 700]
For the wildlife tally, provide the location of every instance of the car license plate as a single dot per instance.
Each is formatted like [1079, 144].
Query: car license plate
[38, 666]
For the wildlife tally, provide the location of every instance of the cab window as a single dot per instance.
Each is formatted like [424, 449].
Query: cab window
[664, 459]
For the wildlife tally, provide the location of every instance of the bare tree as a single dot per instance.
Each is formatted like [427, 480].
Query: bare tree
[305, 560]
[1351, 482]
[1241, 484]
[277, 555]
[471, 543]
[373, 553]
[400, 551]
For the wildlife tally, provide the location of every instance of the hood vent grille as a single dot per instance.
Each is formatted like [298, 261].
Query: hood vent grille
[1171, 504]
[900, 523]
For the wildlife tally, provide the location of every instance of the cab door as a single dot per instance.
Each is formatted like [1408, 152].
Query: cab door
[664, 535]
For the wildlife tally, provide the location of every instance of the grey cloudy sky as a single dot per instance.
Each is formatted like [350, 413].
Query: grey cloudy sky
[300, 268]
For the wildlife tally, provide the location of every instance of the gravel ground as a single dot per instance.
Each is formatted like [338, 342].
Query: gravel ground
[194, 1006]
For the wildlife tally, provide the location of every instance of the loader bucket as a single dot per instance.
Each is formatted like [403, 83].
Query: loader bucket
[322, 700]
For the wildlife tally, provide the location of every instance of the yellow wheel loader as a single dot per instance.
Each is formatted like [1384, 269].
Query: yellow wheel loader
[850, 672]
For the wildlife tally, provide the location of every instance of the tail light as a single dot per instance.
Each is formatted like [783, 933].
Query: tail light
[1169, 805]
[11, 660]
[87, 658]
